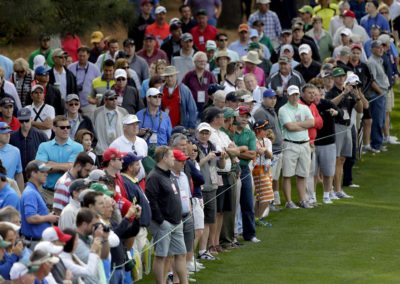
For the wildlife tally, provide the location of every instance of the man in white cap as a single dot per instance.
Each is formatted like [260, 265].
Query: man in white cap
[350, 23]
[288, 51]
[19, 274]
[295, 119]
[160, 28]
[308, 67]
[130, 142]
[41, 265]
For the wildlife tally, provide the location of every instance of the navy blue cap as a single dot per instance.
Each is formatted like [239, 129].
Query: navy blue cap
[214, 87]
[261, 124]
[42, 70]
[4, 128]
[6, 102]
[24, 114]
[180, 129]
[231, 97]
[269, 93]
[130, 158]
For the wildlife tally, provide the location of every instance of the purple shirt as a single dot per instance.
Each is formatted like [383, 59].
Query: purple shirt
[198, 87]
[157, 54]
[259, 73]
[208, 5]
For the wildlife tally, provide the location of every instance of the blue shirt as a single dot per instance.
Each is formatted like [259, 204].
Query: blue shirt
[51, 151]
[367, 22]
[160, 125]
[11, 159]
[84, 77]
[8, 65]
[32, 203]
[8, 196]
[368, 51]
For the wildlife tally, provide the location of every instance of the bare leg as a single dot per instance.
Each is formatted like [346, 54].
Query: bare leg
[339, 173]
[301, 187]
[386, 128]
[287, 189]
[158, 269]
[367, 131]
[218, 228]
[180, 268]
[204, 237]
[327, 182]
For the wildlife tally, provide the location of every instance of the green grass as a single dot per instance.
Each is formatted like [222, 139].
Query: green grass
[351, 241]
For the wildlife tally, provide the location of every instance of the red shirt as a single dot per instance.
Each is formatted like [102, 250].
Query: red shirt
[171, 103]
[200, 37]
[14, 124]
[318, 122]
[71, 44]
[160, 32]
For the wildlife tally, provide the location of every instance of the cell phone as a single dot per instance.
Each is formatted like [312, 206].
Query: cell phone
[217, 153]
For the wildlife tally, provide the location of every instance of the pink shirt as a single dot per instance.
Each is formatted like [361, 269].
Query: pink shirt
[260, 76]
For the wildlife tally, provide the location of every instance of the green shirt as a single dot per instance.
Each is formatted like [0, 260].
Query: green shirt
[48, 55]
[289, 113]
[245, 138]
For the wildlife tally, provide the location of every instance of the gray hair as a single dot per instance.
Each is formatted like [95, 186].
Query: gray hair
[176, 138]
[198, 55]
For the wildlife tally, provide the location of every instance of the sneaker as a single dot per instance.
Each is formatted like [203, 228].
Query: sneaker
[383, 148]
[291, 205]
[191, 279]
[207, 256]
[277, 202]
[263, 223]
[327, 200]
[274, 208]
[366, 148]
[354, 185]
[392, 140]
[200, 265]
[254, 240]
[342, 194]
[170, 278]
[332, 196]
[192, 268]
[375, 151]
[304, 204]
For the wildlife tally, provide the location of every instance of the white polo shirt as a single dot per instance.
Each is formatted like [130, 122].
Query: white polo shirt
[141, 148]
[221, 141]
[47, 111]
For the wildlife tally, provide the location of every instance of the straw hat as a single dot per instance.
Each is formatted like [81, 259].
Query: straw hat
[169, 71]
[222, 53]
[252, 57]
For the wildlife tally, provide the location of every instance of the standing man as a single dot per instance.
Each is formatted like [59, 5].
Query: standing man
[7, 110]
[44, 50]
[75, 118]
[35, 216]
[166, 224]
[136, 63]
[83, 164]
[272, 25]
[102, 84]
[107, 121]
[27, 139]
[111, 54]
[172, 44]
[188, 22]
[203, 31]
[60, 75]
[150, 51]
[97, 39]
[374, 18]
[295, 119]
[59, 153]
[8, 195]
[240, 46]
[213, 9]
[85, 72]
[10, 156]
[307, 67]
[183, 60]
[160, 28]
[137, 29]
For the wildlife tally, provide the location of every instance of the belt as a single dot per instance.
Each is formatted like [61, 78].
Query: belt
[346, 123]
[185, 215]
[296, 142]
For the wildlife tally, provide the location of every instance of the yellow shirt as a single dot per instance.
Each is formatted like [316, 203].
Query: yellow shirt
[326, 14]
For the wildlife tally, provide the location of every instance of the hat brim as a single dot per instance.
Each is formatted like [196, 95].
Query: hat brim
[169, 74]
[204, 128]
[4, 244]
[245, 59]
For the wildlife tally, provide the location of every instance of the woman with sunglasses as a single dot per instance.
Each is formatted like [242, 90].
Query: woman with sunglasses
[128, 96]
[22, 79]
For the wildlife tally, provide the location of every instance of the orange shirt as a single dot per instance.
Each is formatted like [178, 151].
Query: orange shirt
[160, 32]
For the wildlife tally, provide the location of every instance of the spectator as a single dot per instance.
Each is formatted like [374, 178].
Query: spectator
[187, 20]
[166, 216]
[154, 122]
[8, 196]
[137, 28]
[307, 67]
[212, 8]
[251, 61]
[233, 71]
[160, 28]
[22, 79]
[295, 120]
[300, 38]
[19, 274]
[68, 213]
[349, 22]
[203, 31]
[34, 213]
[337, 20]
[27, 139]
[159, 67]
[150, 52]
[83, 164]
[172, 43]
[97, 40]
[211, 48]
[306, 14]
[183, 60]
[7, 110]
[132, 77]
[85, 138]
[10, 156]
[85, 72]
[44, 49]
[326, 10]
[8, 260]
[178, 96]
[127, 96]
[102, 84]
[44, 263]
[60, 76]
[240, 46]
[76, 120]
[110, 54]
[221, 40]
[373, 18]
[322, 38]
[256, 91]
[53, 95]
[136, 63]
[58, 153]
[7, 65]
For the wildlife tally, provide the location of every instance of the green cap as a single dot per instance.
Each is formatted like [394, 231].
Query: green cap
[306, 9]
[254, 45]
[337, 72]
[229, 112]
[3, 243]
[99, 187]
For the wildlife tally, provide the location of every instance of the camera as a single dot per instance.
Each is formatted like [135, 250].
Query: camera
[80, 88]
[217, 153]
[106, 229]
[148, 134]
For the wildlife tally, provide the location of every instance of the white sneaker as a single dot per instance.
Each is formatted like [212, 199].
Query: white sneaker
[291, 205]
[254, 240]
[342, 194]
[327, 200]
[332, 196]
[192, 268]
[375, 151]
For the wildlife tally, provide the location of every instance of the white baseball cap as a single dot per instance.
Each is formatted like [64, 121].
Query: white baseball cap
[153, 92]
[52, 234]
[346, 32]
[203, 126]
[18, 270]
[160, 9]
[292, 90]
[352, 79]
[129, 119]
[120, 73]
[49, 247]
[304, 48]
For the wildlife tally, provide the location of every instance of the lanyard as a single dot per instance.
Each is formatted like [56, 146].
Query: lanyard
[86, 70]
[152, 122]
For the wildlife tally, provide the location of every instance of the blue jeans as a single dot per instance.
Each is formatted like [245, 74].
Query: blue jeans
[247, 204]
[118, 276]
[378, 112]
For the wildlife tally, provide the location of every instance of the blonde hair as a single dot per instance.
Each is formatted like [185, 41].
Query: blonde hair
[21, 64]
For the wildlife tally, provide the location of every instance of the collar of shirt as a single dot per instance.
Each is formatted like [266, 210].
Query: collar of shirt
[54, 142]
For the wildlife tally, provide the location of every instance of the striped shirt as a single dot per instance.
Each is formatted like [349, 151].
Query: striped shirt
[272, 25]
[61, 191]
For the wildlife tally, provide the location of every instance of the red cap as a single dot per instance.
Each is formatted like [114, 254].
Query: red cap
[112, 153]
[55, 234]
[356, 45]
[243, 27]
[179, 155]
[348, 13]
[244, 110]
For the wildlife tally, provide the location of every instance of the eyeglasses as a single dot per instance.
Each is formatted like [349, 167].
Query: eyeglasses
[73, 104]
[121, 79]
[63, 127]
[126, 67]
[384, 12]
[24, 120]
[156, 97]
[111, 99]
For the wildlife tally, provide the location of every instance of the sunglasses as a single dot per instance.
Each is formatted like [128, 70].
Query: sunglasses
[223, 39]
[73, 104]
[24, 120]
[126, 67]
[156, 97]
[121, 79]
[111, 99]
[63, 127]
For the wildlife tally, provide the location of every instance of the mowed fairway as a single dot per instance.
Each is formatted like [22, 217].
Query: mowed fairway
[350, 241]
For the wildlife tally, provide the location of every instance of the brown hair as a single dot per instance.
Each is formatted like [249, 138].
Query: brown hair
[81, 133]
[59, 118]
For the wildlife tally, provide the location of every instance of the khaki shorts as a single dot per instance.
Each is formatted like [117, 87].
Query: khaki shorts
[168, 238]
[276, 166]
[296, 159]
[389, 100]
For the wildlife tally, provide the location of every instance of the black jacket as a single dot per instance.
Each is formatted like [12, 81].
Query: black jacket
[131, 100]
[123, 230]
[71, 81]
[53, 98]
[168, 46]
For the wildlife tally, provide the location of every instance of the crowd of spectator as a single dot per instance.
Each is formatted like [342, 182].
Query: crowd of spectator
[173, 149]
